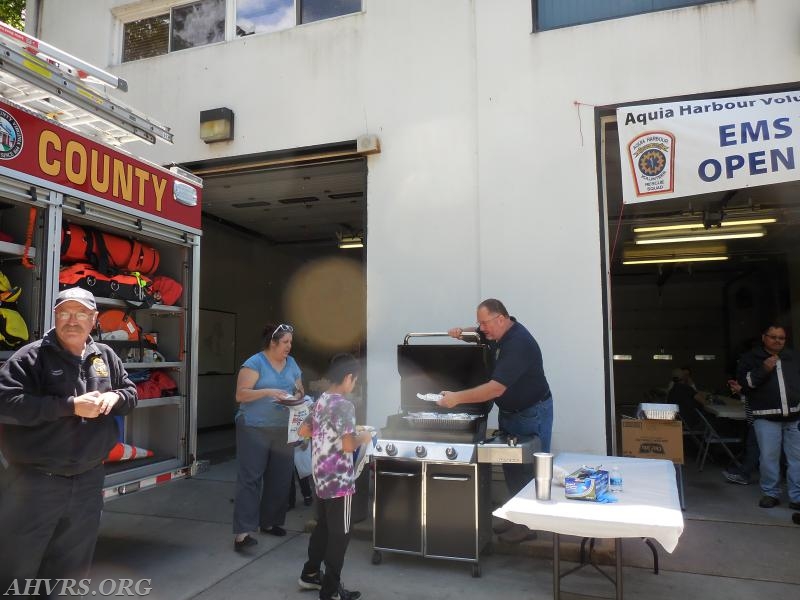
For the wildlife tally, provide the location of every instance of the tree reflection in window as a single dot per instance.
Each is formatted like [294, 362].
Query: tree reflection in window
[197, 24]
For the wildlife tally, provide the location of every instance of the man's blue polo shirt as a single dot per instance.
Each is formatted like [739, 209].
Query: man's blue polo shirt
[518, 366]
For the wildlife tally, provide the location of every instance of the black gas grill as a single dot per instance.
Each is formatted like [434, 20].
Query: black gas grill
[432, 497]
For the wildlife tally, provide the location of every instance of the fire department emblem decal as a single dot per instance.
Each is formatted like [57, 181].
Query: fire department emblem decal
[652, 156]
[100, 367]
[10, 136]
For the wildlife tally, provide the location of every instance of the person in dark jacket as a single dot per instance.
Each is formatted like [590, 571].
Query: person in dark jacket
[770, 378]
[58, 399]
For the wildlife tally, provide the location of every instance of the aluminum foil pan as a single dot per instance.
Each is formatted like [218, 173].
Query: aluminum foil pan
[431, 420]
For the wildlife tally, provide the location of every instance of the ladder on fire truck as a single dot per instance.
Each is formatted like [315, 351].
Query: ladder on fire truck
[47, 81]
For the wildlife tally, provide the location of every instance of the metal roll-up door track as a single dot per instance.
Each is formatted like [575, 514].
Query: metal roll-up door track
[127, 223]
[20, 191]
[343, 151]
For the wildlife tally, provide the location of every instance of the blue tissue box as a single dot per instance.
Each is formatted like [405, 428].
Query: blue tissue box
[586, 484]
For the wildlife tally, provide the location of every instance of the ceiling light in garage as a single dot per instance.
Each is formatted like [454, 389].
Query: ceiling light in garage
[254, 204]
[728, 233]
[302, 200]
[348, 241]
[680, 259]
[676, 253]
[700, 226]
[345, 195]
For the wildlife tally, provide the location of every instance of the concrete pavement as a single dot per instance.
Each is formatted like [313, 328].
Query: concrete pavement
[179, 537]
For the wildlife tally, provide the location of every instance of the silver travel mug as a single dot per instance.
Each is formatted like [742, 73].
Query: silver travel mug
[543, 474]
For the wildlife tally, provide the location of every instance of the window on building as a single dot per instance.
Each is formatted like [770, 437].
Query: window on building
[145, 38]
[184, 26]
[197, 24]
[262, 16]
[202, 22]
[552, 14]
[317, 10]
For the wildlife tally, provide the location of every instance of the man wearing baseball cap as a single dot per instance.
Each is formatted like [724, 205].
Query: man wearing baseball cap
[58, 399]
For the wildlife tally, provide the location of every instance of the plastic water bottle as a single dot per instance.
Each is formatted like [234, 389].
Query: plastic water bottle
[615, 479]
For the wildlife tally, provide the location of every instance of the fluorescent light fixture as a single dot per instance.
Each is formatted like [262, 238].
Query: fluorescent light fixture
[705, 357]
[698, 225]
[674, 253]
[680, 259]
[350, 241]
[623, 357]
[662, 356]
[700, 235]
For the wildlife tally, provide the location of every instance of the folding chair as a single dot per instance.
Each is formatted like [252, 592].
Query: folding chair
[694, 432]
[710, 436]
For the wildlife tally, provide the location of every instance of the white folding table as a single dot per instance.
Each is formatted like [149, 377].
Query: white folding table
[647, 508]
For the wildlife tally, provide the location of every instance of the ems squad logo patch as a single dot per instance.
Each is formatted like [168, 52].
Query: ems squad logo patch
[100, 367]
[10, 136]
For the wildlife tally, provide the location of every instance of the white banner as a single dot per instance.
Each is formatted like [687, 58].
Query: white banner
[694, 147]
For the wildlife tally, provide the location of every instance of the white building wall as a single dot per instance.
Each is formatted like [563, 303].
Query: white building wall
[486, 184]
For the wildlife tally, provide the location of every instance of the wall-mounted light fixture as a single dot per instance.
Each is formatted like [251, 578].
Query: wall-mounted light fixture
[347, 241]
[216, 125]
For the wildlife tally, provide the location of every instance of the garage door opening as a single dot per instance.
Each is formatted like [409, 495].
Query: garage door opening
[283, 244]
[695, 305]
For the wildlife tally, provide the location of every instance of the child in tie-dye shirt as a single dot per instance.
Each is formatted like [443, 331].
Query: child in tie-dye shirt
[332, 429]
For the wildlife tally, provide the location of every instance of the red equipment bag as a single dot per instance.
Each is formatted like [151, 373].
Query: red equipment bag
[129, 287]
[158, 385]
[166, 290]
[148, 389]
[115, 319]
[164, 382]
[106, 251]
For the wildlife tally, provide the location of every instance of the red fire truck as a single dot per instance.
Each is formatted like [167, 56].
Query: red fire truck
[62, 169]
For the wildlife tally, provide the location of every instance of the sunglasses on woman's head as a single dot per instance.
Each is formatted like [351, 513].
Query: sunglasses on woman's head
[282, 327]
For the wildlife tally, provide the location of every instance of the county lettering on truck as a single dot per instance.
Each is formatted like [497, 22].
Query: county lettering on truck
[687, 148]
[51, 154]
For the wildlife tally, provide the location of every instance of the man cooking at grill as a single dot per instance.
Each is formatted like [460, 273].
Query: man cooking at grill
[519, 388]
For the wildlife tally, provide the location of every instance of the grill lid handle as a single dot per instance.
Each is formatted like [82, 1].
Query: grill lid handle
[465, 334]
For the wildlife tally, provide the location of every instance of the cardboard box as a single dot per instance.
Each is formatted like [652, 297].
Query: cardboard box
[652, 438]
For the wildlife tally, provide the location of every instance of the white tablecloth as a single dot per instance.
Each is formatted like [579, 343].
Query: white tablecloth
[648, 506]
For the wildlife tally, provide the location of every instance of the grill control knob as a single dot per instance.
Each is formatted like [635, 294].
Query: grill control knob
[391, 449]
[420, 451]
[451, 453]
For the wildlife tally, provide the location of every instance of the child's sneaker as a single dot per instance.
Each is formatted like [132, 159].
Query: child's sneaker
[310, 581]
[342, 594]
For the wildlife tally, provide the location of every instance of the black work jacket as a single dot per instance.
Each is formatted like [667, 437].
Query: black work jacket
[37, 387]
[773, 395]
